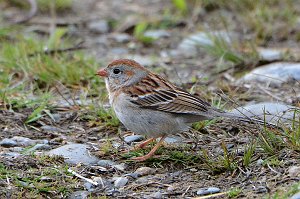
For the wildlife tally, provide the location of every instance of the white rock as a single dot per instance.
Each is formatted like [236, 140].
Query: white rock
[294, 171]
[274, 74]
[273, 112]
[120, 182]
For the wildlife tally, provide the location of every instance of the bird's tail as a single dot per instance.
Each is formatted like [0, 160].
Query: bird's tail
[246, 119]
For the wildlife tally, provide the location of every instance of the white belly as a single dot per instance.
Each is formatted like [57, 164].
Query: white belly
[146, 121]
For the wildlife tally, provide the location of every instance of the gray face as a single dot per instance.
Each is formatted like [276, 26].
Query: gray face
[123, 75]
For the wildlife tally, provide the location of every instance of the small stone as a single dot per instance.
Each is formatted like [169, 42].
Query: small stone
[51, 128]
[173, 139]
[121, 37]
[17, 149]
[38, 147]
[118, 51]
[6, 142]
[270, 54]
[46, 179]
[170, 189]
[190, 46]
[143, 171]
[296, 196]
[23, 184]
[270, 111]
[11, 155]
[259, 162]
[133, 175]
[103, 183]
[261, 189]
[75, 154]
[156, 195]
[99, 27]
[229, 146]
[120, 167]
[105, 163]
[294, 171]
[133, 138]
[156, 34]
[274, 74]
[23, 141]
[142, 180]
[89, 186]
[120, 182]
[206, 191]
[79, 195]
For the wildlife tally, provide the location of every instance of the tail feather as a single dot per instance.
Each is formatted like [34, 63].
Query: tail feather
[246, 119]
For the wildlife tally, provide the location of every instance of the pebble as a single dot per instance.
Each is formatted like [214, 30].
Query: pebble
[11, 155]
[120, 167]
[106, 163]
[209, 190]
[39, 147]
[261, 189]
[270, 110]
[79, 195]
[172, 140]
[190, 46]
[143, 60]
[99, 26]
[296, 196]
[75, 154]
[259, 162]
[270, 54]
[143, 171]
[51, 128]
[20, 141]
[156, 195]
[133, 138]
[103, 183]
[156, 34]
[120, 182]
[273, 74]
[121, 37]
[294, 171]
[229, 146]
[6, 142]
[171, 189]
[89, 186]
[142, 180]
[118, 51]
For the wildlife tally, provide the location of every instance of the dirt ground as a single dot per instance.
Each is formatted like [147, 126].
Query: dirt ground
[212, 155]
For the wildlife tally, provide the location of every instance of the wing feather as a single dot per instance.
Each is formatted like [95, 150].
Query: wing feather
[164, 96]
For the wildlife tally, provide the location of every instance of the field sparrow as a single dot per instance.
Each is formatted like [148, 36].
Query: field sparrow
[148, 104]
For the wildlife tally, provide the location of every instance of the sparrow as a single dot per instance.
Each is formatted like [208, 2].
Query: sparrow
[148, 104]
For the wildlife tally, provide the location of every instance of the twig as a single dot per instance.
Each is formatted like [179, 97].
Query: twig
[273, 169]
[32, 12]
[186, 191]
[81, 177]
[211, 196]
[269, 93]
[78, 46]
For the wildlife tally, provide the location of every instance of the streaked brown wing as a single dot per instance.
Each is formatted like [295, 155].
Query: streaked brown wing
[173, 101]
[156, 93]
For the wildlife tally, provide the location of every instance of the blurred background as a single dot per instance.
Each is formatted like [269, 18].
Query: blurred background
[238, 53]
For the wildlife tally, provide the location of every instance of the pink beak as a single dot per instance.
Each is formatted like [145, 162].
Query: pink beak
[102, 73]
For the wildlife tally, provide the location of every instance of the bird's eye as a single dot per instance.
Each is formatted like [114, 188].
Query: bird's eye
[116, 71]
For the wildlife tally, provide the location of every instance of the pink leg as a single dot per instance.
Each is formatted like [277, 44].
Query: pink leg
[151, 153]
[143, 144]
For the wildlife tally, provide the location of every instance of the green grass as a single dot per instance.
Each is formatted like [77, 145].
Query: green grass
[50, 178]
[28, 71]
[234, 192]
[285, 194]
